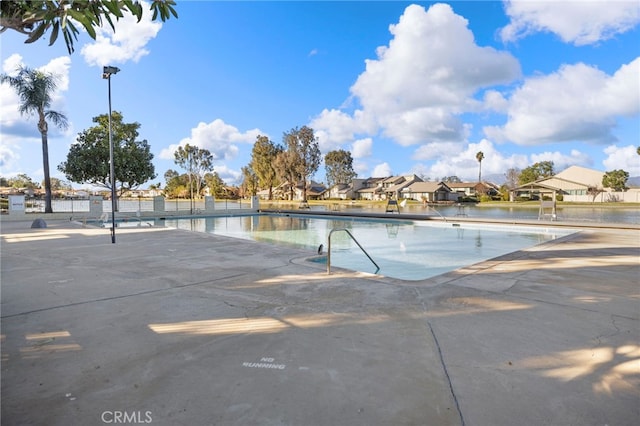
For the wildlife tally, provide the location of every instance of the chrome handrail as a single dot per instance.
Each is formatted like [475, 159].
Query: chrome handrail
[354, 239]
[439, 214]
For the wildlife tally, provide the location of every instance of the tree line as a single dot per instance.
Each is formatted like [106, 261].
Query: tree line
[294, 161]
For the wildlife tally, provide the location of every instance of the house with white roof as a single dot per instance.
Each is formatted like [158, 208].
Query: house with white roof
[577, 184]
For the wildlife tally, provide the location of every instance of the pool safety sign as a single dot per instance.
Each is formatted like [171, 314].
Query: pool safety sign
[16, 204]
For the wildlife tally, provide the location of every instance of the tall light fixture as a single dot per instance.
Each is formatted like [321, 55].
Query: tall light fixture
[107, 72]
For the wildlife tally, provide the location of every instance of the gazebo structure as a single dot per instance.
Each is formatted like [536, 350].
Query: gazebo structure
[547, 207]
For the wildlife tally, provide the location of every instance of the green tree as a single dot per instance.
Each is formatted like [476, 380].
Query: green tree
[504, 192]
[35, 89]
[196, 161]
[176, 184]
[262, 163]
[249, 181]
[22, 181]
[480, 157]
[216, 185]
[34, 18]
[305, 157]
[286, 169]
[58, 185]
[616, 180]
[542, 169]
[88, 157]
[170, 174]
[339, 167]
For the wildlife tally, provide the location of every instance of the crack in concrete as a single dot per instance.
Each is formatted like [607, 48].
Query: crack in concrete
[442, 362]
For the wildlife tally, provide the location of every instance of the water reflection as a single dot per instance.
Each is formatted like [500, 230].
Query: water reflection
[403, 249]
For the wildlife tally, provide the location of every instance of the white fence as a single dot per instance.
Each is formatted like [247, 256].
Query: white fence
[132, 205]
[630, 196]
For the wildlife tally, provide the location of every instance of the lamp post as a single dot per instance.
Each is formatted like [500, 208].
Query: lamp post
[107, 72]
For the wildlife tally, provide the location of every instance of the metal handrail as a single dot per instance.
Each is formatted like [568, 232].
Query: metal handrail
[439, 214]
[354, 239]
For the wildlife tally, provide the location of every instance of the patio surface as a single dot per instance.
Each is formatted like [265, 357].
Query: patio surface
[169, 327]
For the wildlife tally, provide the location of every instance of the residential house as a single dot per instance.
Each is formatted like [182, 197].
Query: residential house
[263, 194]
[474, 189]
[342, 191]
[338, 191]
[393, 186]
[576, 184]
[315, 190]
[371, 189]
[283, 191]
[429, 192]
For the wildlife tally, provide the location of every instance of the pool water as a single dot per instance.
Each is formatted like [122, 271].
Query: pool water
[408, 250]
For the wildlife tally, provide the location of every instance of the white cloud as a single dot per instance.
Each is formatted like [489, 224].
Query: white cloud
[9, 114]
[437, 150]
[229, 176]
[465, 165]
[575, 21]
[382, 170]
[128, 42]
[334, 128]
[495, 101]
[463, 162]
[562, 161]
[420, 83]
[17, 129]
[10, 118]
[361, 168]
[8, 156]
[362, 148]
[219, 138]
[427, 75]
[60, 67]
[622, 157]
[576, 103]
[11, 64]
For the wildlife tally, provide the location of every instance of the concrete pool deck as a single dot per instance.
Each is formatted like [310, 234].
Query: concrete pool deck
[169, 327]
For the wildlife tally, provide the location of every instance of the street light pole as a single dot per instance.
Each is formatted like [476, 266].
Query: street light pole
[107, 72]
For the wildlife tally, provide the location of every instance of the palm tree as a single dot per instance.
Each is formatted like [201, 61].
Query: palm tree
[35, 89]
[480, 157]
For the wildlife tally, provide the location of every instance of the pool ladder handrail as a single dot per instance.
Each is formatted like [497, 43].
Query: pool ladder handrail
[435, 210]
[354, 239]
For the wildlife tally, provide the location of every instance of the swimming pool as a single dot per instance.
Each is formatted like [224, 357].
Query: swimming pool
[408, 250]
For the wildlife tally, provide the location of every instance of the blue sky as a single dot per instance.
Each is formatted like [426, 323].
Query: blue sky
[406, 87]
